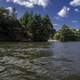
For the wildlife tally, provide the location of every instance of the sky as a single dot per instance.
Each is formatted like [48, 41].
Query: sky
[60, 11]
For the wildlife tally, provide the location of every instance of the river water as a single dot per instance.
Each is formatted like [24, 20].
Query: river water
[40, 61]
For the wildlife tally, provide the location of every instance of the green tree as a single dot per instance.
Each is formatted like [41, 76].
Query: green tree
[77, 33]
[48, 29]
[37, 27]
[66, 34]
[26, 20]
[56, 36]
[9, 26]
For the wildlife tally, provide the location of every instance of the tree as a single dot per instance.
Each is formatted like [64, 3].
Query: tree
[26, 20]
[9, 26]
[48, 29]
[66, 34]
[56, 36]
[37, 27]
[77, 33]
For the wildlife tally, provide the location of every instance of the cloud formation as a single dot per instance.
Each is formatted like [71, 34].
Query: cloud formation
[64, 11]
[55, 24]
[75, 21]
[30, 3]
[10, 9]
[75, 3]
[76, 10]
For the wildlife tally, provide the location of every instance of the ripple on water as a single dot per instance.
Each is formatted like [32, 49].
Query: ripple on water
[18, 62]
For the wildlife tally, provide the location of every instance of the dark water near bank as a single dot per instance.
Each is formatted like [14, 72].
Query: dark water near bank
[40, 61]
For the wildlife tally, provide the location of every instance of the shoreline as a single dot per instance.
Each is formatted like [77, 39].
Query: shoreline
[52, 40]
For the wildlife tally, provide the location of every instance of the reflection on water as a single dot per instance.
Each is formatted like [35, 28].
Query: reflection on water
[40, 61]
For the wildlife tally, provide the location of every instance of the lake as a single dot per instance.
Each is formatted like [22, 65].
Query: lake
[40, 61]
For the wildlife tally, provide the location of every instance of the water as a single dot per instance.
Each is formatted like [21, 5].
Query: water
[40, 61]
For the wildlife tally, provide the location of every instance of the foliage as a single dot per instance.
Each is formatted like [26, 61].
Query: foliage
[37, 27]
[30, 27]
[9, 26]
[56, 36]
[67, 34]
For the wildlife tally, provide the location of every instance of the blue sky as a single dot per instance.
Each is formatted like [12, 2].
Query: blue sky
[60, 11]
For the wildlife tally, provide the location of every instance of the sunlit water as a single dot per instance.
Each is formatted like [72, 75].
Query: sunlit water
[40, 61]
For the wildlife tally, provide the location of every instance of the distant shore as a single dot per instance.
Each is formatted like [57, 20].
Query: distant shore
[52, 40]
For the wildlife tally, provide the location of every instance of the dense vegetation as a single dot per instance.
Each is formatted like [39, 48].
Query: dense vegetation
[32, 27]
[67, 34]
[37, 27]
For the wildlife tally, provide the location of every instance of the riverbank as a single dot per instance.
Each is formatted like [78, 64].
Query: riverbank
[52, 40]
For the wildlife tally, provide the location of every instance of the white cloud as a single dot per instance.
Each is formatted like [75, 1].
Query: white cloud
[10, 9]
[55, 24]
[75, 3]
[75, 21]
[30, 3]
[64, 11]
[77, 10]
[57, 17]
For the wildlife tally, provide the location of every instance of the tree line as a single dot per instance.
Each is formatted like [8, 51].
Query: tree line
[67, 33]
[32, 27]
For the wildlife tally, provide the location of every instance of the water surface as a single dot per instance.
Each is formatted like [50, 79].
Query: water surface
[40, 61]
